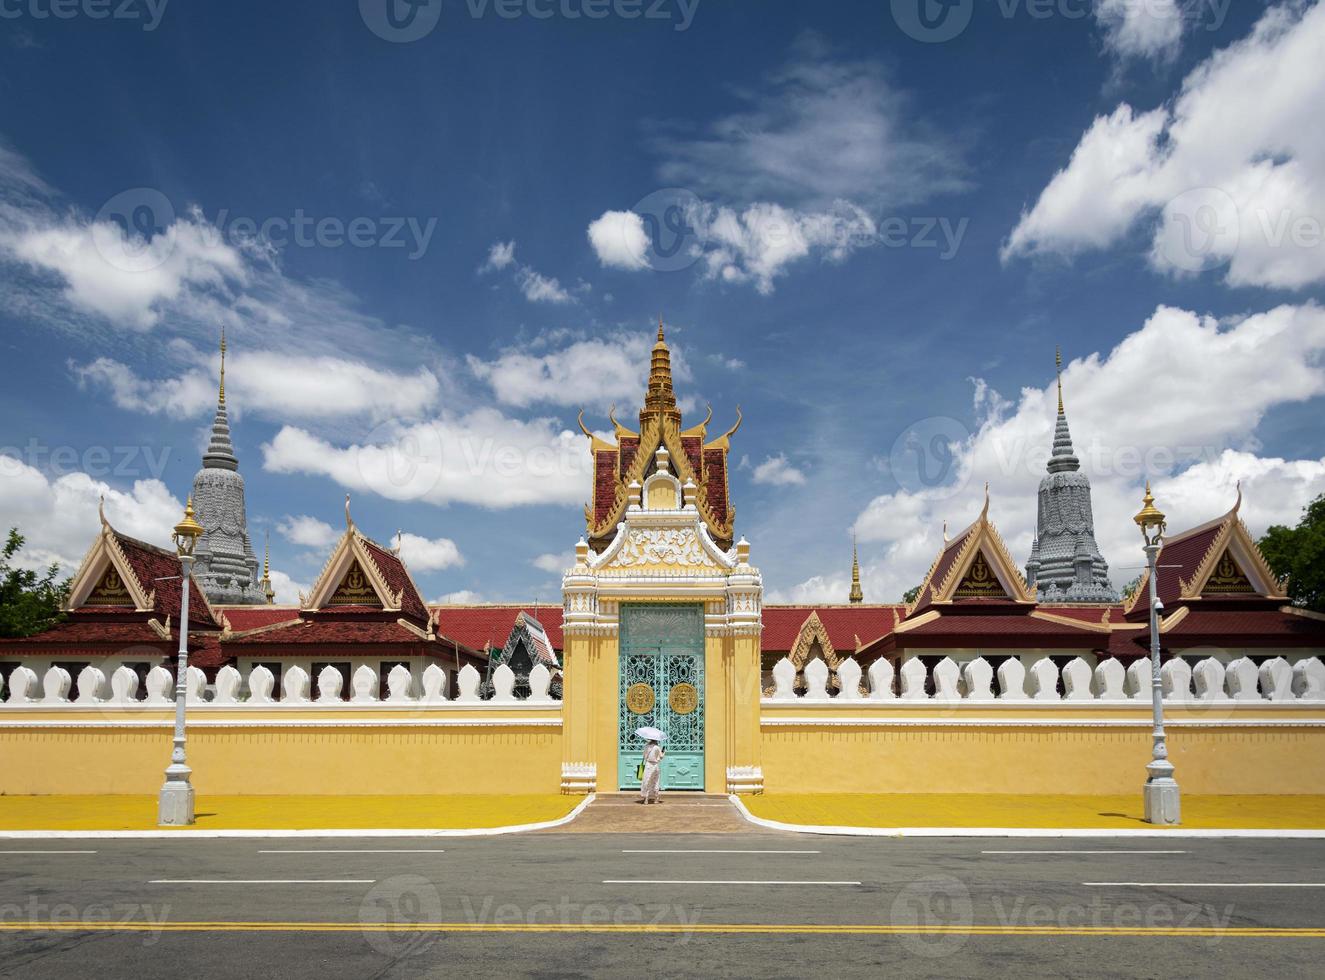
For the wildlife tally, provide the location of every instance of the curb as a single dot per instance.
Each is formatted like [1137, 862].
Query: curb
[340, 832]
[1175, 832]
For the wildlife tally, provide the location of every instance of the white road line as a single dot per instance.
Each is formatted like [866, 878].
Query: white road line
[1084, 852]
[262, 881]
[48, 852]
[1204, 884]
[708, 850]
[366, 850]
[678, 881]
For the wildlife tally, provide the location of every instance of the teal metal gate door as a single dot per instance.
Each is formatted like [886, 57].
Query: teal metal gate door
[662, 685]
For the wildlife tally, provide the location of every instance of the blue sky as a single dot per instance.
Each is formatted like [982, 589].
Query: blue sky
[885, 239]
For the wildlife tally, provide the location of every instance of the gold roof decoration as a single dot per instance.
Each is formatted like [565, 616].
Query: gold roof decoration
[856, 594]
[660, 427]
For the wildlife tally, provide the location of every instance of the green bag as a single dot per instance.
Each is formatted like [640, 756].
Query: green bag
[639, 772]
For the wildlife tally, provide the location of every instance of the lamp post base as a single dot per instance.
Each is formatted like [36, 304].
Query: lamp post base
[1162, 801]
[175, 804]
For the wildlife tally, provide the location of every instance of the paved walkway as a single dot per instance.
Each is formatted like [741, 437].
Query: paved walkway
[679, 813]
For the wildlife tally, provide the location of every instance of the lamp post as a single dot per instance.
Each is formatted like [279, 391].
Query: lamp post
[1162, 800]
[175, 807]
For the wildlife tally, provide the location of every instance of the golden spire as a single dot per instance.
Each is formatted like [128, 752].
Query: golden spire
[1058, 363]
[267, 590]
[857, 594]
[659, 399]
[222, 366]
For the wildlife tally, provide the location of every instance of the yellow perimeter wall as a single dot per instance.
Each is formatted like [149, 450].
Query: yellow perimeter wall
[355, 755]
[805, 749]
[896, 750]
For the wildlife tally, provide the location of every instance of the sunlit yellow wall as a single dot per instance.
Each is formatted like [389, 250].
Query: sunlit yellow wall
[983, 754]
[482, 756]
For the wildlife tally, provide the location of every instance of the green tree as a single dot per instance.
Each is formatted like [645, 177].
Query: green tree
[1299, 553]
[28, 603]
[909, 596]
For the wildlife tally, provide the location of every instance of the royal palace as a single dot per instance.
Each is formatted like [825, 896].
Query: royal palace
[998, 676]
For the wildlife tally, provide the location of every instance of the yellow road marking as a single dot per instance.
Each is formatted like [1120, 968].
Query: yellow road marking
[670, 928]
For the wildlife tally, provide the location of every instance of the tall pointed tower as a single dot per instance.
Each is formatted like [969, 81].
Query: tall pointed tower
[622, 466]
[1065, 561]
[226, 567]
[857, 594]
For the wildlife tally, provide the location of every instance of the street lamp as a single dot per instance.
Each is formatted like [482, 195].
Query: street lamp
[1161, 793]
[175, 807]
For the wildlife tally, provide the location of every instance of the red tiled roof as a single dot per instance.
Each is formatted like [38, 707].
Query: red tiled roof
[398, 580]
[99, 634]
[329, 631]
[1087, 614]
[243, 618]
[475, 626]
[946, 557]
[782, 624]
[1178, 559]
[604, 478]
[160, 570]
[1250, 627]
[715, 477]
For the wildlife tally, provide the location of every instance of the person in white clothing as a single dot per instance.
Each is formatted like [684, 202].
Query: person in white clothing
[649, 789]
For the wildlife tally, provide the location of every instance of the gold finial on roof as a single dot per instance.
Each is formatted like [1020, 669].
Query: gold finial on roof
[945, 531]
[857, 594]
[101, 511]
[222, 399]
[1058, 363]
[267, 590]
[349, 521]
[659, 398]
[984, 511]
[1237, 504]
[1149, 516]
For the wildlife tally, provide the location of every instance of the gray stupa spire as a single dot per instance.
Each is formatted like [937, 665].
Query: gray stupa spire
[226, 567]
[1065, 562]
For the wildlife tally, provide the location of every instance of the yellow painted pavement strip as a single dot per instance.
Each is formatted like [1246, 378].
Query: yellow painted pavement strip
[1038, 811]
[865, 929]
[455, 812]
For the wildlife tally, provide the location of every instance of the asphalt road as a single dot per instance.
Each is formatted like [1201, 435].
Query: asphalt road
[766, 905]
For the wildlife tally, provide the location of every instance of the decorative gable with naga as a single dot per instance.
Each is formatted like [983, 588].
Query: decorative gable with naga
[631, 459]
[662, 550]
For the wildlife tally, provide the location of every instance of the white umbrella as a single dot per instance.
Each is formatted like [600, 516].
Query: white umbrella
[650, 734]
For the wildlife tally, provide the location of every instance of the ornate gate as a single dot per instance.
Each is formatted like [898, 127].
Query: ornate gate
[662, 684]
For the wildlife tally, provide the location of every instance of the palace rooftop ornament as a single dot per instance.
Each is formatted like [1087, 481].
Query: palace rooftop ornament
[227, 568]
[1065, 564]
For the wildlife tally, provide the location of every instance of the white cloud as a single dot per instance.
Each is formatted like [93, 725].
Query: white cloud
[276, 385]
[287, 589]
[1197, 392]
[461, 597]
[1232, 172]
[429, 554]
[595, 371]
[759, 243]
[122, 276]
[500, 255]
[481, 458]
[58, 516]
[307, 531]
[778, 471]
[553, 562]
[538, 288]
[816, 131]
[1141, 28]
[619, 240]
